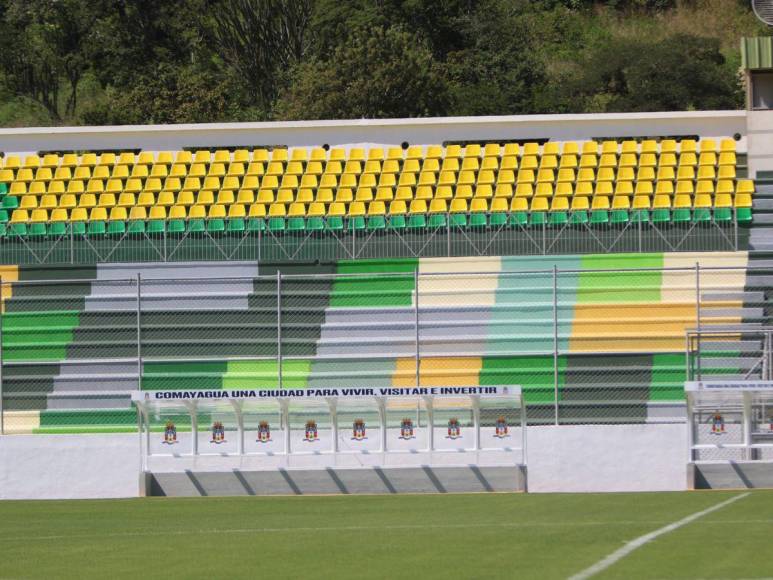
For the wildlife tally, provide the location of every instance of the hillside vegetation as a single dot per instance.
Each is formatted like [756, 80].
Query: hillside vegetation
[65, 62]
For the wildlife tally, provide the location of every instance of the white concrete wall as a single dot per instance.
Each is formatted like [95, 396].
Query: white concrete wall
[589, 458]
[367, 132]
[68, 466]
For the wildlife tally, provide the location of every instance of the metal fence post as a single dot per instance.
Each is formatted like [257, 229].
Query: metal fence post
[279, 328]
[139, 331]
[555, 342]
[416, 323]
[698, 317]
[2, 406]
[72, 245]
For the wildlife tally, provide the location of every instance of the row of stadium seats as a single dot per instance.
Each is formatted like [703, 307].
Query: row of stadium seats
[477, 179]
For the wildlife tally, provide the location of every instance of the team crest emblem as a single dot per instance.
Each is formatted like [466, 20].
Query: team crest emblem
[218, 432]
[406, 429]
[358, 430]
[454, 429]
[264, 432]
[311, 431]
[717, 424]
[501, 429]
[170, 433]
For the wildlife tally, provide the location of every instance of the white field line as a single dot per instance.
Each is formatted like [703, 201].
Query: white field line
[311, 529]
[621, 553]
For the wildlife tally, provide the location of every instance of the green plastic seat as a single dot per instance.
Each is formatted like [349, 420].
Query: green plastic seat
[335, 223]
[437, 220]
[661, 216]
[416, 221]
[276, 224]
[3, 215]
[640, 216]
[519, 218]
[702, 215]
[156, 227]
[37, 230]
[599, 217]
[458, 220]
[236, 225]
[176, 226]
[498, 219]
[17, 230]
[256, 225]
[315, 224]
[79, 228]
[356, 223]
[10, 202]
[296, 224]
[538, 218]
[579, 217]
[558, 218]
[723, 214]
[376, 223]
[3, 229]
[743, 215]
[681, 215]
[215, 226]
[96, 228]
[478, 220]
[116, 228]
[136, 227]
[196, 226]
[619, 216]
[397, 222]
[3, 188]
[57, 228]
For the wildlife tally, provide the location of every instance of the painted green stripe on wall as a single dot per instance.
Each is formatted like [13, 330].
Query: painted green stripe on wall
[534, 374]
[263, 374]
[374, 292]
[616, 287]
[159, 376]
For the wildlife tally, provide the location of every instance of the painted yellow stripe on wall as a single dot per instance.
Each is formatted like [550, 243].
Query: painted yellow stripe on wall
[680, 286]
[465, 290]
[21, 422]
[438, 372]
[9, 274]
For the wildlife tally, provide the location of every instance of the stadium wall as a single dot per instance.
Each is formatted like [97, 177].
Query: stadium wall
[375, 132]
[583, 458]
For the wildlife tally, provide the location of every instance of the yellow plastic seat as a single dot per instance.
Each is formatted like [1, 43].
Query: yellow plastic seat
[685, 173]
[524, 190]
[530, 148]
[205, 197]
[384, 194]
[608, 160]
[726, 172]
[564, 189]
[603, 188]
[744, 186]
[462, 192]
[444, 192]
[621, 202]
[257, 210]
[667, 160]
[98, 214]
[19, 216]
[59, 215]
[376, 208]
[580, 203]
[590, 148]
[316, 209]
[483, 191]
[87, 200]
[704, 187]
[126, 200]
[525, 176]
[726, 186]
[364, 194]
[624, 188]
[79, 214]
[397, 207]
[218, 211]
[480, 205]
[406, 193]
[559, 204]
[743, 200]
[165, 199]
[162, 171]
[540, 204]
[588, 161]
[146, 199]
[568, 161]
[666, 174]
[356, 209]
[706, 172]
[138, 213]
[49, 202]
[645, 174]
[185, 198]
[643, 188]
[544, 190]
[600, 202]
[684, 188]
[529, 162]
[664, 188]
[153, 184]
[723, 200]
[545, 176]
[106, 200]
[608, 174]
[642, 202]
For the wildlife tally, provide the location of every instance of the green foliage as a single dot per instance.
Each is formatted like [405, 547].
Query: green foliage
[375, 73]
[146, 61]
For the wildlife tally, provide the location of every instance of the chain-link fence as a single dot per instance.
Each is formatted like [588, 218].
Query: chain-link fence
[355, 239]
[587, 345]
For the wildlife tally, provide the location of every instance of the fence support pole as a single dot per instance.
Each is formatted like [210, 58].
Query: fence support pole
[416, 323]
[2, 406]
[139, 331]
[72, 245]
[698, 317]
[279, 328]
[555, 343]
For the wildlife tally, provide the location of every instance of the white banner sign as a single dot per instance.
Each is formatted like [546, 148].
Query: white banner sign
[728, 386]
[345, 393]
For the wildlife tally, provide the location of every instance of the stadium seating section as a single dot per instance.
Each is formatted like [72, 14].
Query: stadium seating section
[283, 190]
[621, 336]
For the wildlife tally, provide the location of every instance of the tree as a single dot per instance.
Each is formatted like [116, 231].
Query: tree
[375, 73]
[45, 42]
[260, 39]
[677, 73]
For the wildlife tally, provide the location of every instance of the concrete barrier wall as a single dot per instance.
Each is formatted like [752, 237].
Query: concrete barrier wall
[367, 132]
[588, 458]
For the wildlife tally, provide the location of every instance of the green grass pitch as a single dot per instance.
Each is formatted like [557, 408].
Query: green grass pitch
[435, 536]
